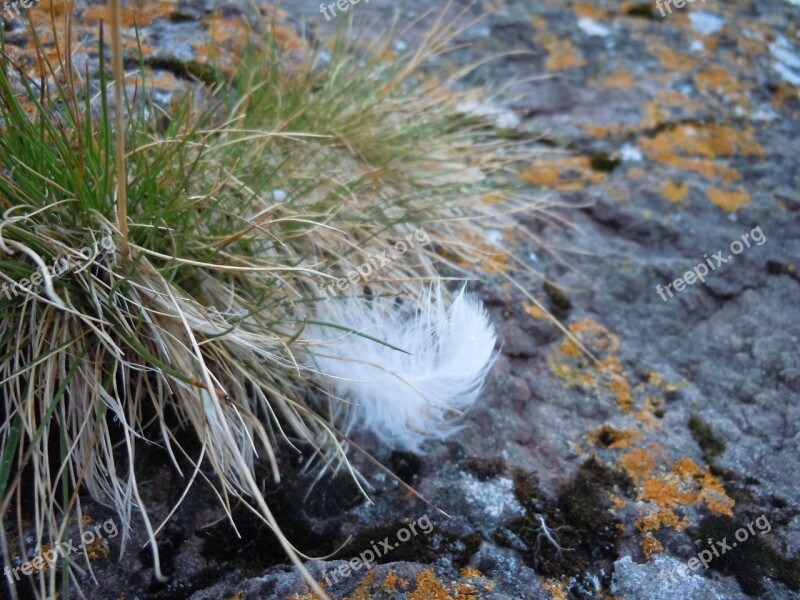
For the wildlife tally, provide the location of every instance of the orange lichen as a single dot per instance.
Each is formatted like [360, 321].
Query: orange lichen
[647, 418]
[696, 149]
[718, 80]
[619, 503]
[675, 192]
[617, 382]
[595, 337]
[430, 587]
[615, 439]
[392, 581]
[468, 572]
[729, 201]
[665, 492]
[639, 463]
[619, 80]
[563, 173]
[557, 589]
[563, 54]
[659, 518]
[535, 312]
[362, 592]
[651, 546]
[590, 11]
[545, 176]
[710, 489]
[606, 374]
[674, 62]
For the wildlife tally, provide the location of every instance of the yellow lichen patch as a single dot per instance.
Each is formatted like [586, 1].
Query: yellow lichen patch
[672, 61]
[543, 175]
[595, 337]
[675, 192]
[601, 131]
[651, 546]
[563, 173]
[719, 81]
[711, 491]
[430, 587]
[696, 148]
[639, 463]
[605, 374]
[616, 381]
[659, 518]
[646, 418]
[619, 503]
[710, 141]
[535, 312]
[616, 439]
[666, 492]
[728, 201]
[392, 581]
[468, 572]
[620, 80]
[563, 54]
[557, 589]
[363, 591]
[686, 483]
[466, 590]
[590, 11]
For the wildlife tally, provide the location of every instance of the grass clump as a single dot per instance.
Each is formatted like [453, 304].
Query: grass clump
[238, 198]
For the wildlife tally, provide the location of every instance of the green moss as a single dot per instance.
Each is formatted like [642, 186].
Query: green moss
[561, 304]
[602, 161]
[578, 519]
[526, 489]
[419, 548]
[486, 468]
[709, 443]
[750, 560]
[185, 68]
[643, 11]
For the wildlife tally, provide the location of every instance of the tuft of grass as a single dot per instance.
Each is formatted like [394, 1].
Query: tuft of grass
[238, 198]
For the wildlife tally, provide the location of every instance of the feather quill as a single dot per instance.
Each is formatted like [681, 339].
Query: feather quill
[427, 369]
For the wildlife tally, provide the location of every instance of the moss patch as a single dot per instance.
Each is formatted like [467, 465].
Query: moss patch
[602, 161]
[575, 532]
[486, 468]
[709, 443]
[751, 560]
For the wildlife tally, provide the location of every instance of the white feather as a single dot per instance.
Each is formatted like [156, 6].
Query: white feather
[406, 397]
